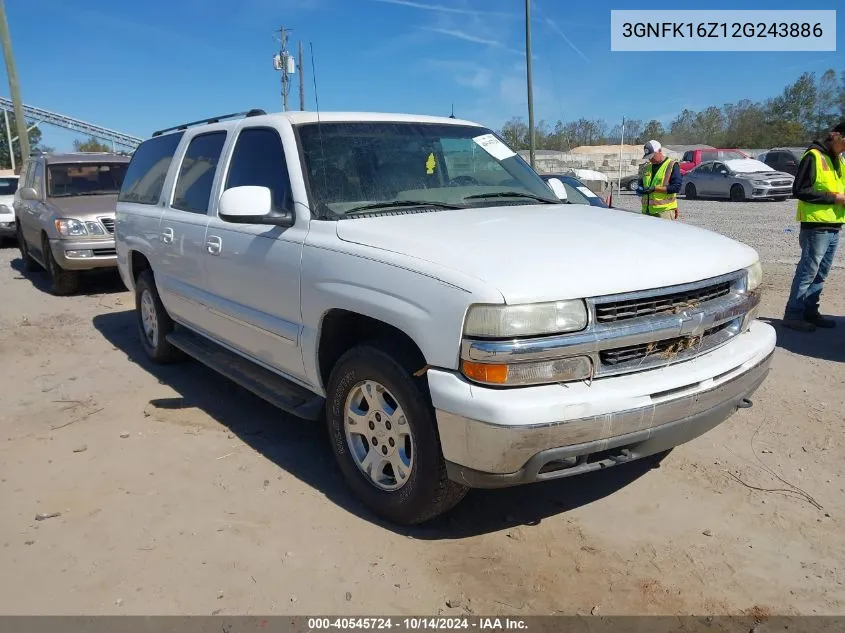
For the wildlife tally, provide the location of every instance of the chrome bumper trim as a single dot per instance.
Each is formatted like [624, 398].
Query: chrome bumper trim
[499, 449]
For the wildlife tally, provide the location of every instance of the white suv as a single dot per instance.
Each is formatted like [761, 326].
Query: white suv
[411, 280]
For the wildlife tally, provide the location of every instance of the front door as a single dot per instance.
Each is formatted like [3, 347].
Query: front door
[180, 274]
[253, 270]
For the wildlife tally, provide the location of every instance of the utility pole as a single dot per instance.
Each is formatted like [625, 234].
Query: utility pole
[282, 64]
[14, 87]
[301, 80]
[9, 138]
[528, 77]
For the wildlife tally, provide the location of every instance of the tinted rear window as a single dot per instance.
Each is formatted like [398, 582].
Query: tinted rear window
[8, 186]
[145, 177]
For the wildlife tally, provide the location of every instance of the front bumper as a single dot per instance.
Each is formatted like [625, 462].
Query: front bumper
[103, 254]
[771, 192]
[8, 227]
[503, 437]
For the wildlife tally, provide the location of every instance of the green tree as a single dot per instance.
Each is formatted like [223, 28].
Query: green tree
[682, 128]
[515, 133]
[653, 130]
[826, 102]
[90, 145]
[34, 140]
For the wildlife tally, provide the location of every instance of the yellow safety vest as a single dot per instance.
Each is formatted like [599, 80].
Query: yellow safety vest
[827, 180]
[656, 202]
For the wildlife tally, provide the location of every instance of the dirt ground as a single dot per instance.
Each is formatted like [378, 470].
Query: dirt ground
[181, 493]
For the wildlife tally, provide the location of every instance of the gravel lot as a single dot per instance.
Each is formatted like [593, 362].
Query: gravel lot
[768, 226]
[178, 492]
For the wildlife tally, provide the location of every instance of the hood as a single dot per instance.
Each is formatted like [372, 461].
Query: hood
[554, 252]
[83, 207]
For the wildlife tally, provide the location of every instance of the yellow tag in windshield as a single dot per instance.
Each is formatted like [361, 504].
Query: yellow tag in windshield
[430, 164]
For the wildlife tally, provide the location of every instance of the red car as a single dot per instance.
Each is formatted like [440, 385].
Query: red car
[694, 157]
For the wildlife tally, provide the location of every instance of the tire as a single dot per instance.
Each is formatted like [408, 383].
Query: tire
[62, 282]
[29, 264]
[737, 193]
[425, 491]
[632, 185]
[154, 324]
[690, 192]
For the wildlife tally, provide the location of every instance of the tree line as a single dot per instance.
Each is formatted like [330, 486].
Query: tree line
[804, 111]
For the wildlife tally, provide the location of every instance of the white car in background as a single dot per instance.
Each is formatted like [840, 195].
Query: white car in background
[8, 187]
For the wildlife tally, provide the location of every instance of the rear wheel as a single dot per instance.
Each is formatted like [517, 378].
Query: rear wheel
[62, 282]
[154, 324]
[384, 436]
[737, 193]
[690, 191]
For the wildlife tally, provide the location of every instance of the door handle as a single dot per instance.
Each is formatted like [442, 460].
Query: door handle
[213, 245]
[167, 236]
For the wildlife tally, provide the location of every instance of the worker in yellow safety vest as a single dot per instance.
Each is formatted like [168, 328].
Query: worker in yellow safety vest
[660, 183]
[820, 188]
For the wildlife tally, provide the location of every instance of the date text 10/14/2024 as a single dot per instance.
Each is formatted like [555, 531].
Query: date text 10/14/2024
[418, 623]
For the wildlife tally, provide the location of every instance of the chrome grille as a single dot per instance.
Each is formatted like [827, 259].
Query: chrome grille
[619, 310]
[109, 224]
[661, 350]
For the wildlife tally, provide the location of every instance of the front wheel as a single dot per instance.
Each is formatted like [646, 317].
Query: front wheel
[632, 185]
[384, 436]
[29, 264]
[737, 193]
[62, 282]
[154, 324]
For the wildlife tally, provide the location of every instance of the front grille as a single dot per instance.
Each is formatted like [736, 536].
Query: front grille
[660, 350]
[781, 183]
[104, 252]
[109, 224]
[611, 311]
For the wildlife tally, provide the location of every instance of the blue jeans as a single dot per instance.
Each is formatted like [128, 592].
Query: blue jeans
[818, 246]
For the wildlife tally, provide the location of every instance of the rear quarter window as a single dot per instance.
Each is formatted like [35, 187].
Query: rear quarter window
[147, 170]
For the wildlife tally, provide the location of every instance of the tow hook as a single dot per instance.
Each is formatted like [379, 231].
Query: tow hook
[745, 403]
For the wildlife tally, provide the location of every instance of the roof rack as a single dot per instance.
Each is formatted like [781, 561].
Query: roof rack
[216, 119]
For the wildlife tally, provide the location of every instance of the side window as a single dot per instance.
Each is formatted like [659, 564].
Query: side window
[147, 170]
[706, 168]
[196, 174]
[38, 177]
[259, 160]
[720, 168]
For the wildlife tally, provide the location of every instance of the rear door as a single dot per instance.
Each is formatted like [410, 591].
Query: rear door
[253, 270]
[180, 274]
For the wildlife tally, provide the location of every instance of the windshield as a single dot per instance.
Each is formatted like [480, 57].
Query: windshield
[84, 179]
[722, 154]
[393, 166]
[8, 186]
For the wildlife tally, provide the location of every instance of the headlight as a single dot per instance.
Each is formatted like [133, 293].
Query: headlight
[6, 210]
[68, 227]
[531, 373]
[754, 276]
[532, 319]
[761, 183]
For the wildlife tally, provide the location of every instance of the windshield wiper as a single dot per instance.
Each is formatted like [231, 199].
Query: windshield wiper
[510, 194]
[393, 204]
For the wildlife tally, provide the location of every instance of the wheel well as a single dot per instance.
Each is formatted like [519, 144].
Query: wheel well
[341, 330]
[138, 263]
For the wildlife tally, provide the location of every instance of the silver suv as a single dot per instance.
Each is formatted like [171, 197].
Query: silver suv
[65, 214]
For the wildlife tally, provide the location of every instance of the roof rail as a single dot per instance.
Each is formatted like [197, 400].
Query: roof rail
[216, 119]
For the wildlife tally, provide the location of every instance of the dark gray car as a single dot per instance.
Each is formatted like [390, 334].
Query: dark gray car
[739, 179]
[65, 214]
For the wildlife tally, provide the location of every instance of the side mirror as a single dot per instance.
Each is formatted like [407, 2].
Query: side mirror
[252, 205]
[558, 188]
[28, 193]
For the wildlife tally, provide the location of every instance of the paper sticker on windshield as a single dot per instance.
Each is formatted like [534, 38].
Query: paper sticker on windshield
[430, 164]
[586, 191]
[494, 146]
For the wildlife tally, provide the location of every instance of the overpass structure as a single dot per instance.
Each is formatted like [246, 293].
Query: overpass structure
[39, 116]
